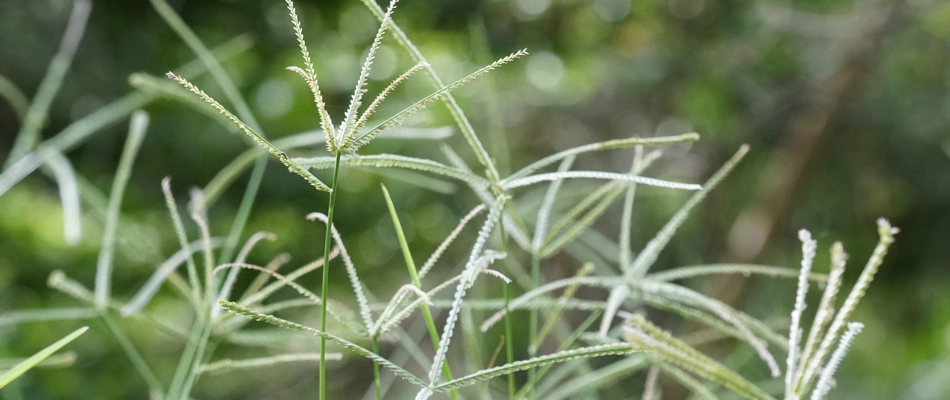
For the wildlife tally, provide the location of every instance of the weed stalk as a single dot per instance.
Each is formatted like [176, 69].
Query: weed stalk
[326, 280]
[509, 349]
[411, 265]
[376, 384]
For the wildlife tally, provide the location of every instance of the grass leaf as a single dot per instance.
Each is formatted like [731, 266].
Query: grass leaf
[648, 337]
[584, 352]
[607, 145]
[530, 180]
[270, 319]
[693, 271]
[46, 314]
[648, 256]
[228, 365]
[65, 177]
[284, 159]
[137, 128]
[401, 116]
[80, 130]
[24, 366]
[148, 290]
[36, 115]
[394, 161]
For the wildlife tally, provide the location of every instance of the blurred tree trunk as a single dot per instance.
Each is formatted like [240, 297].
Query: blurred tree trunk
[808, 131]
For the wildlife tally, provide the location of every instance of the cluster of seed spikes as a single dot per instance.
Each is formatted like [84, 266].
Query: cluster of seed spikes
[350, 135]
[666, 353]
[635, 343]
[347, 138]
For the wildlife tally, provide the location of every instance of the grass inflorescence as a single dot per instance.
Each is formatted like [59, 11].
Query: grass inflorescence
[615, 324]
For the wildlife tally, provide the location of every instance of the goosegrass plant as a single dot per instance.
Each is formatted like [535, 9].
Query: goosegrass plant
[222, 316]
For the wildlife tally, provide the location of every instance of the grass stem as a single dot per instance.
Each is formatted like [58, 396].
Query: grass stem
[411, 265]
[509, 349]
[184, 363]
[138, 361]
[326, 280]
[533, 317]
[376, 368]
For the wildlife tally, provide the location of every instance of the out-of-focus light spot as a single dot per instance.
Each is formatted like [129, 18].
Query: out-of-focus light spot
[544, 70]
[447, 66]
[358, 25]
[632, 37]
[513, 111]
[937, 21]
[529, 9]
[633, 123]
[585, 29]
[384, 64]
[274, 97]
[433, 220]
[687, 9]
[278, 22]
[612, 10]
[377, 245]
[567, 132]
[341, 65]
[356, 181]
[648, 66]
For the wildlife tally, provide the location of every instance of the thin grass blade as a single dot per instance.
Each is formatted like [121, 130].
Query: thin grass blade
[648, 337]
[80, 130]
[401, 116]
[24, 366]
[394, 161]
[65, 177]
[46, 314]
[14, 96]
[693, 271]
[461, 120]
[228, 365]
[607, 145]
[648, 256]
[270, 319]
[137, 129]
[36, 114]
[585, 352]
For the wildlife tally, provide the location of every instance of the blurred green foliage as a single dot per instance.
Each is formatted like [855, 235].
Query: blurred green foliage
[734, 71]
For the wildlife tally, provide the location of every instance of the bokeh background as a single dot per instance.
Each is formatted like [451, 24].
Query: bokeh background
[845, 104]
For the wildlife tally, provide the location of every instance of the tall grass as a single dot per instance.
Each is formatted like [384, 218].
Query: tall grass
[615, 325]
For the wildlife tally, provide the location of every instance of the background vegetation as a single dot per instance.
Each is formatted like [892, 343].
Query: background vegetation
[846, 106]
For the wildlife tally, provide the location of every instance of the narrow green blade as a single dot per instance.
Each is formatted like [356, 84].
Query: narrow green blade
[31, 362]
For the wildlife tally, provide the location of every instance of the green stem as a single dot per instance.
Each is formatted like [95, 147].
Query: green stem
[184, 363]
[376, 367]
[533, 318]
[326, 281]
[138, 361]
[509, 338]
[244, 210]
[196, 362]
[411, 265]
[555, 316]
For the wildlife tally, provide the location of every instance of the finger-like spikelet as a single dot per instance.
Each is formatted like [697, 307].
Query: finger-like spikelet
[292, 166]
